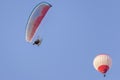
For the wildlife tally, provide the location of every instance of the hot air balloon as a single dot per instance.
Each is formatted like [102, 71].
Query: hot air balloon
[35, 19]
[102, 63]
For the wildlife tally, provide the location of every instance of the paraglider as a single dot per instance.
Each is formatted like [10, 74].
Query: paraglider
[102, 63]
[34, 21]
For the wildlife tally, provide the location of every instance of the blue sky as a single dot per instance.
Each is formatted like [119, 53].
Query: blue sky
[73, 33]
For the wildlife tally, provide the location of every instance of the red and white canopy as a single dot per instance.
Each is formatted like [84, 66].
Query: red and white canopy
[35, 19]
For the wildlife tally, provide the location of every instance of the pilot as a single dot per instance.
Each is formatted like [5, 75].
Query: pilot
[37, 42]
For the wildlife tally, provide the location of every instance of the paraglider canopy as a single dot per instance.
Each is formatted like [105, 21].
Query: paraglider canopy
[35, 19]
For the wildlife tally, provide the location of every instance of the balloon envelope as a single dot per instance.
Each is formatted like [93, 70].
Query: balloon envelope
[35, 19]
[102, 63]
